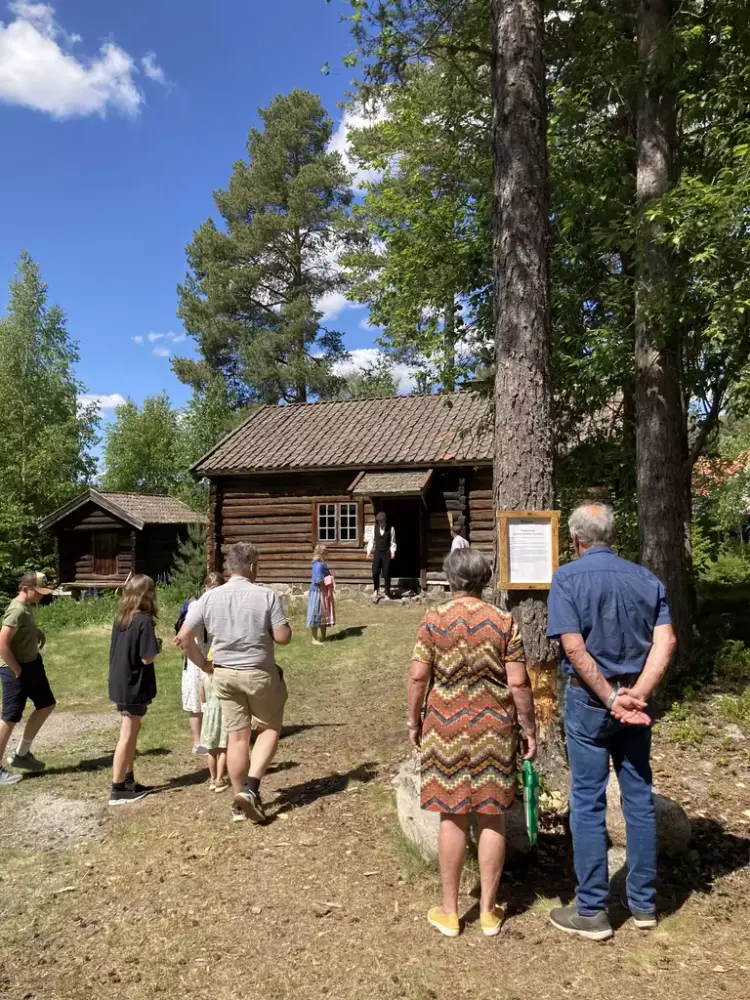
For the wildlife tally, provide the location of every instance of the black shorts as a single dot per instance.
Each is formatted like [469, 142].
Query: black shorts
[31, 685]
[137, 711]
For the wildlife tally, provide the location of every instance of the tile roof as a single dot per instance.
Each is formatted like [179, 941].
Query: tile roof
[401, 430]
[153, 509]
[137, 509]
[394, 484]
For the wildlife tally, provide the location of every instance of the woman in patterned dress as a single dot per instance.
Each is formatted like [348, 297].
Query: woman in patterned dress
[469, 663]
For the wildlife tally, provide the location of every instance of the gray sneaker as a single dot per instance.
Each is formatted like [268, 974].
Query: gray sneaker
[568, 919]
[6, 778]
[237, 815]
[249, 802]
[26, 763]
[643, 921]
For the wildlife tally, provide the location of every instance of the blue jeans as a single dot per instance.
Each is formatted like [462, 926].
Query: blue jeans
[593, 737]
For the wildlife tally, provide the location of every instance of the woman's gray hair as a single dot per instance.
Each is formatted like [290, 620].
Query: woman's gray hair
[593, 524]
[467, 570]
[241, 556]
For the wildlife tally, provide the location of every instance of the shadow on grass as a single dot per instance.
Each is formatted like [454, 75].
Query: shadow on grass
[352, 632]
[319, 788]
[547, 873]
[101, 763]
[288, 731]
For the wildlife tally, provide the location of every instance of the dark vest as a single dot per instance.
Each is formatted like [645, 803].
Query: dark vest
[382, 541]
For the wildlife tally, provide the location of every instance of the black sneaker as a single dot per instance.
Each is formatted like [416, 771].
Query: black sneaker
[643, 921]
[124, 796]
[135, 786]
[27, 762]
[251, 805]
[568, 919]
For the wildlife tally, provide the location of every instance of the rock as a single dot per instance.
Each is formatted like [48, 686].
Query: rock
[617, 859]
[733, 732]
[422, 827]
[672, 822]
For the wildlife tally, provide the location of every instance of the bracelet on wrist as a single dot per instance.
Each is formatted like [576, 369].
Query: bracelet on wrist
[612, 698]
[413, 725]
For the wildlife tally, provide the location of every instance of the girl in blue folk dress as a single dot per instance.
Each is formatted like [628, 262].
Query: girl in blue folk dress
[321, 612]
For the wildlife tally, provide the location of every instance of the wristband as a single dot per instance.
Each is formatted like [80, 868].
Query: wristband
[412, 727]
[612, 698]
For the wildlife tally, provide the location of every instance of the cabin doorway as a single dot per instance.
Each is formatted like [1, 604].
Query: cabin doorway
[405, 516]
[106, 545]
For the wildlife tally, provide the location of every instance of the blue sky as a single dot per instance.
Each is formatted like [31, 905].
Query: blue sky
[119, 119]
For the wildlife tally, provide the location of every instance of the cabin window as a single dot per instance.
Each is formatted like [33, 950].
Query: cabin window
[338, 522]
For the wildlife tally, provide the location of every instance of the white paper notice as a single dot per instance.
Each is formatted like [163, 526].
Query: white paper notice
[369, 533]
[529, 550]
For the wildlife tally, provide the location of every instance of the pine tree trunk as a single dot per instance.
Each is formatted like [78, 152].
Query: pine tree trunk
[523, 454]
[663, 472]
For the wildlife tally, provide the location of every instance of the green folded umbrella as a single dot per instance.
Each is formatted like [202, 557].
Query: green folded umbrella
[530, 778]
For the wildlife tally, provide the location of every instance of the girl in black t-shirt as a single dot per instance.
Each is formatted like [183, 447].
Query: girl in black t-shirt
[132, 679]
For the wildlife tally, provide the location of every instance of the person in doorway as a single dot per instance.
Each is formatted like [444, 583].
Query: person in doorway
[457, 539]
[468, 675]
[617, 639]
[382, 549]
[132, 680]
[321, 612]
[244, 621]
[23, 676]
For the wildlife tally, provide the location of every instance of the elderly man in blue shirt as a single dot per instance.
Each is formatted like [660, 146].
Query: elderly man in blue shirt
[613, 622]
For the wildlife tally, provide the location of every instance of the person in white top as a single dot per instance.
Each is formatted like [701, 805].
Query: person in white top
[382, 549]
[459, 542]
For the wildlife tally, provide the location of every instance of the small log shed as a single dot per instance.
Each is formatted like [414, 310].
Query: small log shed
[292, 476]
[102, 538]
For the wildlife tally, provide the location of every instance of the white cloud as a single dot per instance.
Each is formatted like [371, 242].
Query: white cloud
[333, 304]
[353, 119]
[170, 337]
[38, 69]
[152, 69]
[137, 340]
[161, 352]
[363, 357]
[103, 401]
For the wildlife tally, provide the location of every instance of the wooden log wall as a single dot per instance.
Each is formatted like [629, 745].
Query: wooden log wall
[156, 548]
[276, 513]
[447, 500]
[481, 532]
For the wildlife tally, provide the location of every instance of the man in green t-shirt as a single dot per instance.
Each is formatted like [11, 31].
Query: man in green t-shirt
[23, 676]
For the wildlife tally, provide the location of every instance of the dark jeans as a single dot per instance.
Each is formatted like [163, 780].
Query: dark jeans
[593, 737]
[381, 561]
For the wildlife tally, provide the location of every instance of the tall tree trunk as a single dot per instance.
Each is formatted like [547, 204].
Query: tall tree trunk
[449, 346]
[661, 440]
[523, 451]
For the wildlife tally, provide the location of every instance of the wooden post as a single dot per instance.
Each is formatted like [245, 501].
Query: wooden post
[213, 530]
[423, 528]
[133, 550]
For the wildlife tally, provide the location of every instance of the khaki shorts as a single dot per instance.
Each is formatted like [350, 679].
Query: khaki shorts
[250, 697]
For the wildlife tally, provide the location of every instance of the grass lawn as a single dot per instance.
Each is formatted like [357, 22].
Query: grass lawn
[168, 899]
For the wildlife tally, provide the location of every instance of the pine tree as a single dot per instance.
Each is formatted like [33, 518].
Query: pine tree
[251, 297]
[189, 570]
[46, 436]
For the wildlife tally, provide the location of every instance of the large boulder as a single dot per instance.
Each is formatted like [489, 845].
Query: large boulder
[422, 827]
[672, 822]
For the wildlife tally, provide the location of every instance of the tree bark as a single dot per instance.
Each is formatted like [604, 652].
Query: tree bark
[523, 448]
[662, 466]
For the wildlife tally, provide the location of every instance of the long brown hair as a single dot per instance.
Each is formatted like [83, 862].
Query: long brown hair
[213, 580]
[139, 595]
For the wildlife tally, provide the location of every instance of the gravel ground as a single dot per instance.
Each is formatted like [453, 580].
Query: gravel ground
[51, 821]
[62, 727]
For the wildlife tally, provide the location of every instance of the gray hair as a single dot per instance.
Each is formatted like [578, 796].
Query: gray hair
[241, 556]
[467, 570]
[593, 524]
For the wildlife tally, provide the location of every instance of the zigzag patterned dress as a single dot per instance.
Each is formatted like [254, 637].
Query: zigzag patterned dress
[469, 743]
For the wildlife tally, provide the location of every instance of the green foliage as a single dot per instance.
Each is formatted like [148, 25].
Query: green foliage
[425, 271]
[737, 709]
[731, 566]
[374, 381]
[99, 611]
[189, 571]
[732, 664]
[141, 451]
[46, 437]
[251, 295]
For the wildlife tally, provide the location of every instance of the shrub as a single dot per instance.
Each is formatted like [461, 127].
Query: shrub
[732, 662]
[99, 611]
[737, 709]
[731, 566]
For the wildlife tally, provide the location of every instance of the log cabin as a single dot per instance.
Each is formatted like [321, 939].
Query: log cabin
[292, 476]
[102, 538]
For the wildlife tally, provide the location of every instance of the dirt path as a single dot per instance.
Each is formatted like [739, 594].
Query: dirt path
[326, 902]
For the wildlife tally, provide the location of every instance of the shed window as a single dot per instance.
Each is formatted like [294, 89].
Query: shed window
[338, 522]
